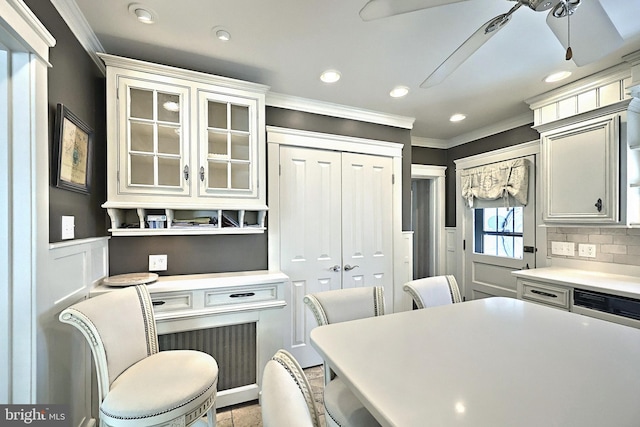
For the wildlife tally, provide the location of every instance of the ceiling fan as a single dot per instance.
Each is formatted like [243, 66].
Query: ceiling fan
[582, 27]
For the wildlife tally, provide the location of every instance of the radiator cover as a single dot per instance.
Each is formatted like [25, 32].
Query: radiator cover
[233, 347]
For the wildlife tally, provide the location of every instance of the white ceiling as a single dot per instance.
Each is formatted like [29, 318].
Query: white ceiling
[286, 44]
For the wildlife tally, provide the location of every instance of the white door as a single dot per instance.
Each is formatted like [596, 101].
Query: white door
[367, 222]
[499, 240]
[335, 222]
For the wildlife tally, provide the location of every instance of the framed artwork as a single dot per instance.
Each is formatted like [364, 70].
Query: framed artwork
[73, 141]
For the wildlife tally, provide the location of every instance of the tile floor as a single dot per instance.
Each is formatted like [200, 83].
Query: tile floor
[248, 414]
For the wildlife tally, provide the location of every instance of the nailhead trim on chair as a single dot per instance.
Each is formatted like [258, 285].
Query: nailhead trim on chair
[316, 309]
[149, 321]
[214, 384]
[378, 300]
[286, 360]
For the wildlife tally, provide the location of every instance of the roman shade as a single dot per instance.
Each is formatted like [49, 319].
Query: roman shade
[508, 180]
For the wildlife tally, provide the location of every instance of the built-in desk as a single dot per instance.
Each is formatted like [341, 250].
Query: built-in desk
[236, 317]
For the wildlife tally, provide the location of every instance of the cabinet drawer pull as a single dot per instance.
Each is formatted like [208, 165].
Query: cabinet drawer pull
[185, 172]
[157, 303]
[244, 295]
[544, 294]
[598, 205]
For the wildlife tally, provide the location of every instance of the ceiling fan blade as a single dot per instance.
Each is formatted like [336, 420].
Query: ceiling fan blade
[593, 35]
[467, 49]
[376, 9]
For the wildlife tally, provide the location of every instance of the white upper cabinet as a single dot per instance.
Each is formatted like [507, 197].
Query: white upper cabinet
[183, 146]
[590, 152]
[228, 146]
[153, 140]
[580, 163]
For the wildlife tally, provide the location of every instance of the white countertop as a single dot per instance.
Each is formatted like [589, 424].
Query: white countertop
[207, 281]
[616, 284]
[493, 362]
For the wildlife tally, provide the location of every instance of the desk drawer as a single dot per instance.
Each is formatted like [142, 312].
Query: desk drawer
[172, 302]
[245, 295]
[545, 294]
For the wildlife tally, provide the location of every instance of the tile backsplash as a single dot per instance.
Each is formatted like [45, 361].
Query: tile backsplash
[613, 245]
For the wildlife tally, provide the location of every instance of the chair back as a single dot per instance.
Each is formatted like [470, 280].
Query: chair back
[342, 305]
[287, 400]
[120, 329]
[433, 291]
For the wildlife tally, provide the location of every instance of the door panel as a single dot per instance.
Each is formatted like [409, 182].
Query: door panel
[490, 275]
[366, 222]
[310, 182]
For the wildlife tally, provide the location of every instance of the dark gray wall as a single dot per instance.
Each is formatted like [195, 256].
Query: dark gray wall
[75, 81]
[427, 156]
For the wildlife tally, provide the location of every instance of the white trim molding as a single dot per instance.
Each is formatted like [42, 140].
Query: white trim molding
[77, 23]
[436, 176]
[302, 138]
[337, 110]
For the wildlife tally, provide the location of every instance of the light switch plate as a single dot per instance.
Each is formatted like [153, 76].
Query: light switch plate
[68, 227]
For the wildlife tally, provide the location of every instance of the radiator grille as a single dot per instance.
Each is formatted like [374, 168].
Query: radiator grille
[233, 347]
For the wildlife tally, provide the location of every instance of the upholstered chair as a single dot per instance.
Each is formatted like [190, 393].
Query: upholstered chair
[137, 384]
[342, 407]
[433, 291]
[287, 399]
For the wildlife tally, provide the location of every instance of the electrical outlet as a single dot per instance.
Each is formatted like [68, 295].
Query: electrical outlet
[68, 227]
[588, 251]
[157, 262]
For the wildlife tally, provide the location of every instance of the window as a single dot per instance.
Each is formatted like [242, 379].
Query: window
[498, 232]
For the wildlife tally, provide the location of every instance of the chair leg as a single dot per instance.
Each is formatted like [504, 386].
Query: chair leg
[211, 415]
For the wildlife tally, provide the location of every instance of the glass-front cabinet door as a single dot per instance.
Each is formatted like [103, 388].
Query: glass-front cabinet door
[228, 146]
[154, 135]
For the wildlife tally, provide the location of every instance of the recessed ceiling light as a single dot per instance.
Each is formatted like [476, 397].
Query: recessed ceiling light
[457, 118]
[330, 76]
[556, 77]
[221, 33]
[399, 91]
[142, 13]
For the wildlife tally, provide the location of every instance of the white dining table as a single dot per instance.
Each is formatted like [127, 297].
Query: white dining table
[496, 362]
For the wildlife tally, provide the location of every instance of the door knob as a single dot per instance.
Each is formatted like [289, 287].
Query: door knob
[335, 268]
[350, 267]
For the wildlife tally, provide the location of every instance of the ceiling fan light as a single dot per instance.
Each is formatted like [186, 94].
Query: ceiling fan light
[330, 76]
[556, 77]
[399, 91]
[457, 117]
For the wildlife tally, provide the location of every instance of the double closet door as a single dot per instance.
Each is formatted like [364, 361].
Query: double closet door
[335, 229]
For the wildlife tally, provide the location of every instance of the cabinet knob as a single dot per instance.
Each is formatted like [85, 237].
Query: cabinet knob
[598, 205]
[186, 172]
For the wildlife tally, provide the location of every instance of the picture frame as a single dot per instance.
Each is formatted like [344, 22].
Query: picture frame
[73, 141]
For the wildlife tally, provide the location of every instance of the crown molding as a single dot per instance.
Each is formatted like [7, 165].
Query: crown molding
[505, 125]
[337, 110]
[418, 141]
[71, 14]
